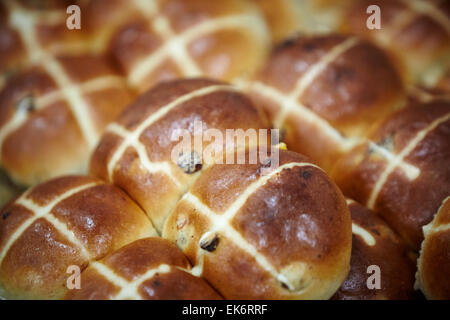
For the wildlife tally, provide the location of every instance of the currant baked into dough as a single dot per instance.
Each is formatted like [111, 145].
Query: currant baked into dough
[135, 153]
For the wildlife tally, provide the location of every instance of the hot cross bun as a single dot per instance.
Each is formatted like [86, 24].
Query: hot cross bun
[403, 172]
[70, 220]
[24, 25]
[326, 93]
[382, 266]
[284, 233]
[135, 153]
[417, 32]
[54, 106]
[166, 39]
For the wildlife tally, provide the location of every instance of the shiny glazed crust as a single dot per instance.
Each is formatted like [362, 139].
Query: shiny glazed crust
[135, 153]
[375, 244]
[65, 101]
[67, 221]
[326, 92]
[416, 32]
[150, 268]
[433, 275]
[285, 233]
[166, 39]
[408, 187]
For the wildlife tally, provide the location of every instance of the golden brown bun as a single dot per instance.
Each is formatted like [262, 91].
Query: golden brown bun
[374, 243]
[284, 233]
[135, 151]
[54, 92]
[433, 276]
[416, 31]
[150, 268]
[170, 39]
[407, 186]
[52, 114]
[7, 189]
[67, 221]
[286, 18]
[326, 91]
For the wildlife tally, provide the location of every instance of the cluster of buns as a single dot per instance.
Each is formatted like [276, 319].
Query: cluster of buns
[290, 224]
[416, 33]
[58, 94]
[88, 119]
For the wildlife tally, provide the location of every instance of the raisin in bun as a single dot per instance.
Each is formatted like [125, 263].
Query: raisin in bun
[68, 221]
[155, 41]
[282, 17]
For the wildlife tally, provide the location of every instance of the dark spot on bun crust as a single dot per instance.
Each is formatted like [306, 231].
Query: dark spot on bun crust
[306, 174]
[210, 244]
